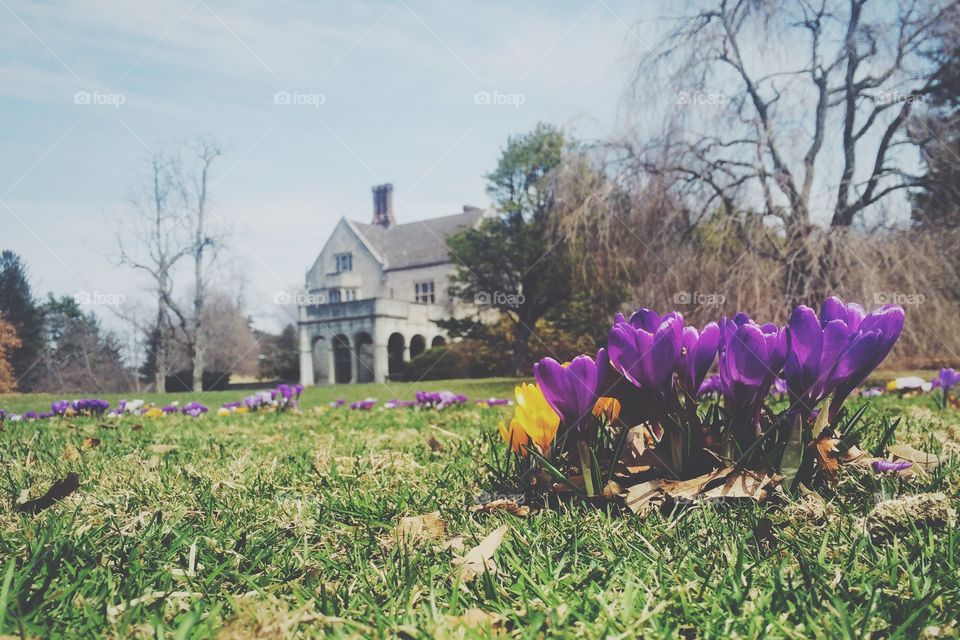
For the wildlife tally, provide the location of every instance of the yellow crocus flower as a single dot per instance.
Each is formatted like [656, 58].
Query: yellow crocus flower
[609, 407]
[535, 416]
[515, 437]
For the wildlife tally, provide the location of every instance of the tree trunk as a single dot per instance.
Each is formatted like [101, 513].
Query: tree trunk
[199, 340]
[521, 347]
[160, 356]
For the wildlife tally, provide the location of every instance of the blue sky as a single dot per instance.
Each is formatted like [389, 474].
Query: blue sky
[386, 93]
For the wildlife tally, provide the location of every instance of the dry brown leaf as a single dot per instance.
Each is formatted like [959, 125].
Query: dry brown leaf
[413, 529]
[726, 483]
[161, 449]
[480, 558]
[474, 617]
[71, 453]
[91, 443]
[434, 444]
[644, 497]
[928, 461]
[455, 544]
[502, 504]
[563, 487]
[826, 452]
[57, 491]
[613, 490]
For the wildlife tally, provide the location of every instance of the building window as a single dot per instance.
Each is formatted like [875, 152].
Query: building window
[424, 292]
[334, 295]
[344, 262]
[349, 294]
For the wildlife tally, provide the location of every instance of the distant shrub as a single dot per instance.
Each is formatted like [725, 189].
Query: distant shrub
[464, 359]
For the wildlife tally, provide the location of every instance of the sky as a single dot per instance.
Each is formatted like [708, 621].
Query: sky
[313, 102]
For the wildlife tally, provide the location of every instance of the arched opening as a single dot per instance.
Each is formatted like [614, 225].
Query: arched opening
[395, 354]
[320, 354]
[363, 346]
[341, 359]
[418, 344]
[438, 341]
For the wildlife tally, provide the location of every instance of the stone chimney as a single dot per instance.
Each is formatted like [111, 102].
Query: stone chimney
[383, 205]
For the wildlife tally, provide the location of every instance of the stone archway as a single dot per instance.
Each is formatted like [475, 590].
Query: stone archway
[438, 341]
[395, 347]
[320, 357]
[363, 347]
[418, 344]
[342, 360]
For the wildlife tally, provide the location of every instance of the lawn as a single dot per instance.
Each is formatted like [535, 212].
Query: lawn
[283, 525]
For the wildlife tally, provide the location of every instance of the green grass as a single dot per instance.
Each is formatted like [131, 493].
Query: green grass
[290, 518]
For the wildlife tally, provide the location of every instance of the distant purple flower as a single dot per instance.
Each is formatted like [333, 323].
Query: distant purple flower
[89, 407]
[751, 357]
[31, 415]
[297, 389]
[59, 407]
[494, 402]
[364, 405]
[947, 379]
[886, 466]
[872, 392]
[170, 408]
[194, 409]
[338, 403]
[779, 387]
[710, 385]
[398, 404]
[232, 405]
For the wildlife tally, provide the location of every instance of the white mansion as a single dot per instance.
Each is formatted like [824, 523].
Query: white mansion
[379, 289]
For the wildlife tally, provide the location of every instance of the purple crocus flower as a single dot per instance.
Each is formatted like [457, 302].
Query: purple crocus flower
[646, 349]
[947, 379]
[573, 390]
[194, 410]
[751, 357]
[886, 466]
[836, 353]
[710, 385]
[338, 403]
[697, 352]
[779, 387]
[59, 407]
[364, 405]
[31, 415]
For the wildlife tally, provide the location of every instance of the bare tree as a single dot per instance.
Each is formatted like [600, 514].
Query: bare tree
[193, 184]
[168, 226]
[154, 243]
[794, 111]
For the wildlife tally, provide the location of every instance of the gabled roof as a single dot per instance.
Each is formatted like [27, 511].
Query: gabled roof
[414, 244]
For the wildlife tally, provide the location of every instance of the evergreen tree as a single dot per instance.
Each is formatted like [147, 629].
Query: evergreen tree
[510, 262]
[18, 307]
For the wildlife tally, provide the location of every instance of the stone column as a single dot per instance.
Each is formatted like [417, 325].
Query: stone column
[381, 356]
[331, 364]
[306, 356]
